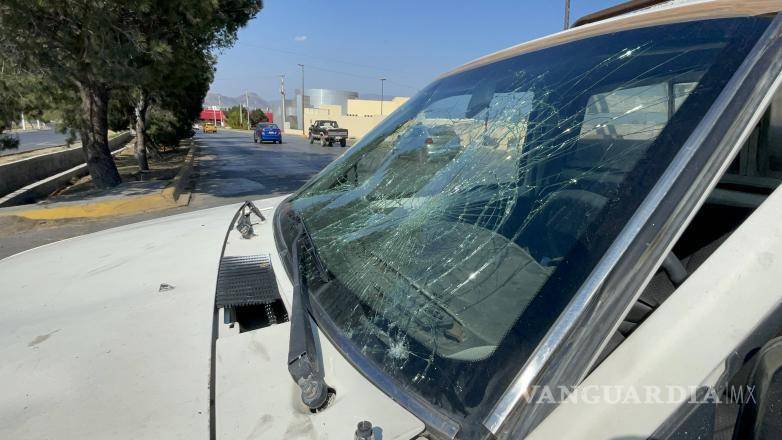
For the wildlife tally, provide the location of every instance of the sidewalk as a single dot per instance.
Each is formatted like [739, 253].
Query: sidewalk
[128, 198]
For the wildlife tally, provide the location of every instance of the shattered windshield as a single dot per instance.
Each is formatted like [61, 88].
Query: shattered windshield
[457, 231]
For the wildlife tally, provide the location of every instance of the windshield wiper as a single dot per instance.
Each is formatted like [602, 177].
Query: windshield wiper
[304, 364]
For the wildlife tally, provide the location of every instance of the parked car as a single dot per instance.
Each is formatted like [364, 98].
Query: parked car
[209, 128]
[607, 266]
[328, 132]
[267, 132]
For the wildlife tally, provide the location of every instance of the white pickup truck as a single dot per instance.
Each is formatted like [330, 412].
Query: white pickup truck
[598, 258]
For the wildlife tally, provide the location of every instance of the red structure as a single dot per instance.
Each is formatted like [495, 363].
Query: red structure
[209, 115]
[269, 115]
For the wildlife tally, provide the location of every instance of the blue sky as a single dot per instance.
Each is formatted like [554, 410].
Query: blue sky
[349, 44]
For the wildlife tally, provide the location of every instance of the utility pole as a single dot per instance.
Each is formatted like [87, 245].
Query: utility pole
[567, 14]
[247, 106]
[219, 106]
[382, 96]
[282, 93]
[241, 121]
[301, 115]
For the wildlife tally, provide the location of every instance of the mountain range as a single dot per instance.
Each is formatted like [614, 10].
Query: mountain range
[255, 101]
[223, 101]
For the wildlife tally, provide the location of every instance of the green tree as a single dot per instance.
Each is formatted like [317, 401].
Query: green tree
[23, 92]
[236, 117]
[175, 65]
[176, 109]
[257, 116]
[234, 120]
[120, 110]
[87, 48]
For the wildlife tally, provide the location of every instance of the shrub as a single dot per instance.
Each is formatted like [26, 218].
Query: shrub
[8, 143]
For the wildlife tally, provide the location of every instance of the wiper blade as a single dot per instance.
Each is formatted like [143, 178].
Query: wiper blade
[304, 365]
[303, 236]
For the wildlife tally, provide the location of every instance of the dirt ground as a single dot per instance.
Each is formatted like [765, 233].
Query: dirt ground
[162, 166]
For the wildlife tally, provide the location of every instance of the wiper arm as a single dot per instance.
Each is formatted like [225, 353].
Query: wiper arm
[303, 362]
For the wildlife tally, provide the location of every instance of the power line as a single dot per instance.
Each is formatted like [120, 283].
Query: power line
[355, 75]
[339, 72]
[301, 54]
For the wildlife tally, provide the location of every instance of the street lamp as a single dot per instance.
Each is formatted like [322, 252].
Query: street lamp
[567, 14]
[301, 121]
[282, 105]
[382, 80]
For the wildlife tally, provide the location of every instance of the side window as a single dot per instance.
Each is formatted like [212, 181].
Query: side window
[617, 129]
[749, 180]
[636, 113]
[752, 176]
[761, 157]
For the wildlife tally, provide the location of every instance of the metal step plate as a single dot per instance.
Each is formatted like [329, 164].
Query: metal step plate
[246, 280]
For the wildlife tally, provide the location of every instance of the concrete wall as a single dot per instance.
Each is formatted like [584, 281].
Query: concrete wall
[362, 116]
[371, 107]
[16, 175]
[357, 126]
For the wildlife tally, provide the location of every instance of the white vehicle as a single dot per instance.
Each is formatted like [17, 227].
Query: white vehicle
[608, 225]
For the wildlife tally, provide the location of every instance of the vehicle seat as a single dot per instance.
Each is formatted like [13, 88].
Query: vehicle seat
[559, 223]
[659, 289]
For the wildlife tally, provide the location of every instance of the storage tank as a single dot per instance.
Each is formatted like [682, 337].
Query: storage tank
[329, 97]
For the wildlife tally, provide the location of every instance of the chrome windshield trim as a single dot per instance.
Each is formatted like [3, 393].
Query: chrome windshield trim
[741, 102]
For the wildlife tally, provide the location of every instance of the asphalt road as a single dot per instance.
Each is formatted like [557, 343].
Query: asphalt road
[34, 140]
[230, 168]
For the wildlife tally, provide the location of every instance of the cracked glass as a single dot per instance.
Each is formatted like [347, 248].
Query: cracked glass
[456, 232]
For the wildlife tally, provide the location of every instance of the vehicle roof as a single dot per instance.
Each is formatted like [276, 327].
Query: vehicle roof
[619, 9]
[674, 11]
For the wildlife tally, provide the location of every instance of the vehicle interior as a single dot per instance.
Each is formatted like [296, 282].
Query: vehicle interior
[751, 177]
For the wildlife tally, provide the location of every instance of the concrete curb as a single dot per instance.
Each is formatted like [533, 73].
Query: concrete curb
[48, 185]
[171, 196]
[176, 189]
[21, 170]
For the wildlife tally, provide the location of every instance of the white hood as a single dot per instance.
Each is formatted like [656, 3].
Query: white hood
[109, 335]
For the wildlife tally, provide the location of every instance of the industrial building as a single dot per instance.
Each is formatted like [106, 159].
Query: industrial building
[344, 106]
